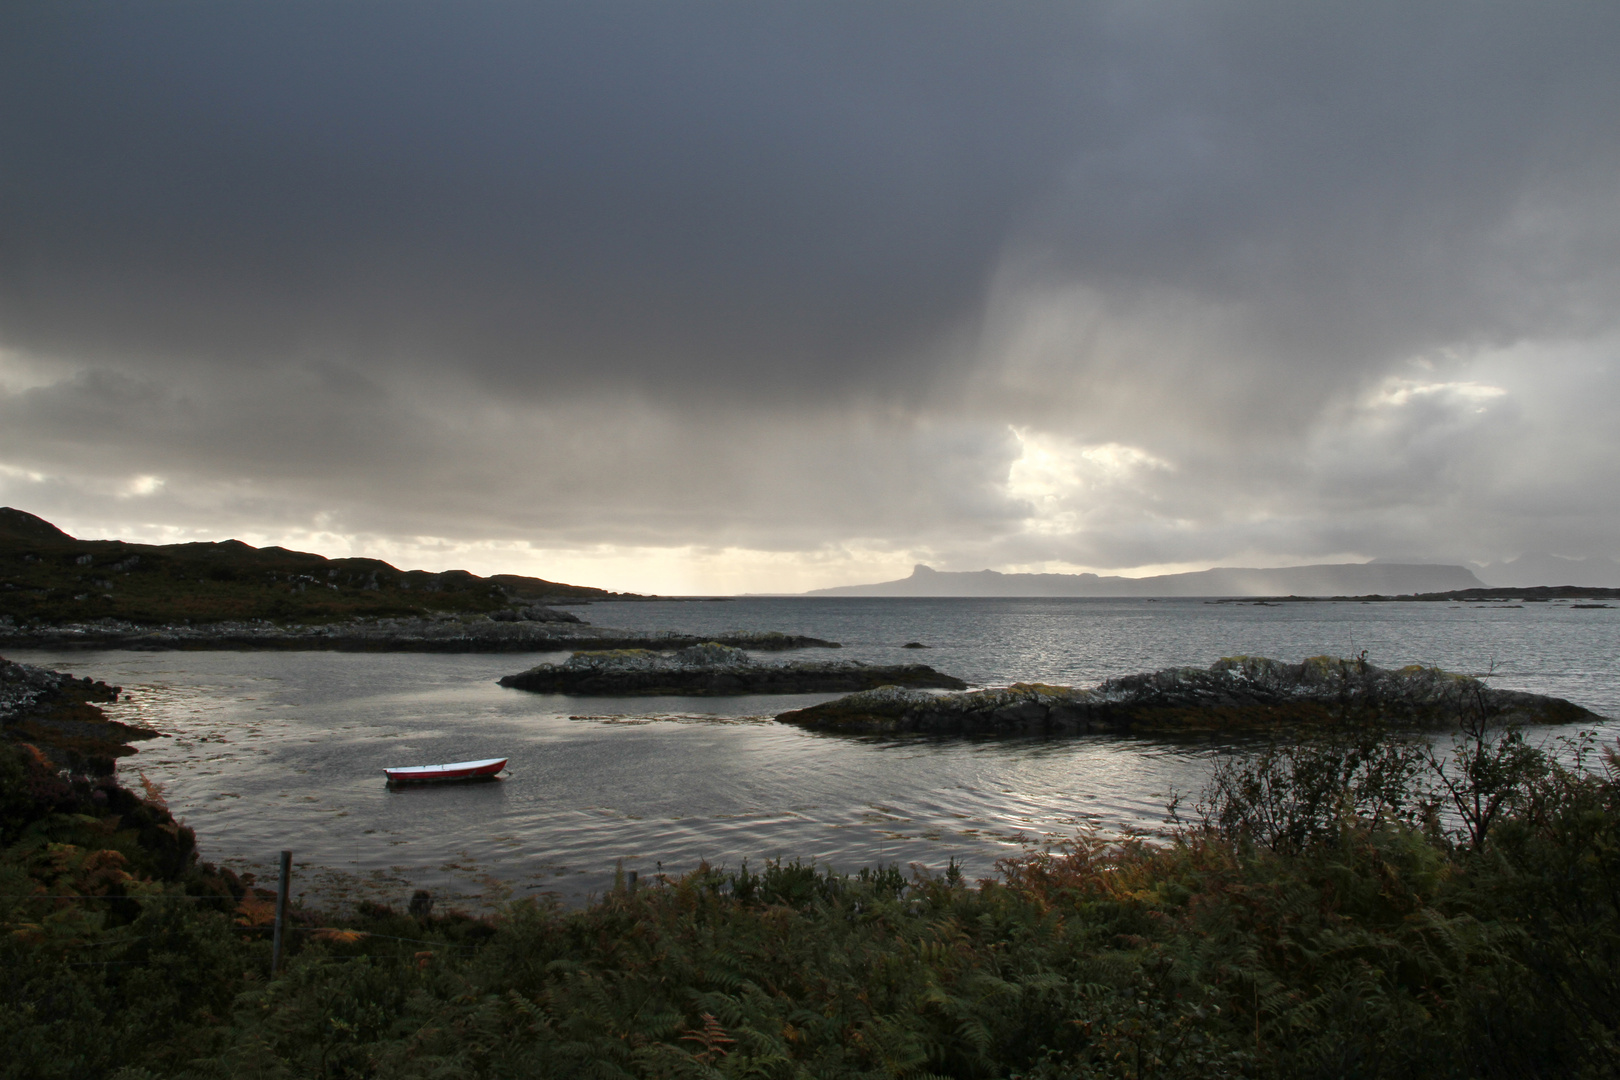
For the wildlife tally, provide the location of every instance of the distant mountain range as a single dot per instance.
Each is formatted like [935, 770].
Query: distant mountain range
[1328, 579]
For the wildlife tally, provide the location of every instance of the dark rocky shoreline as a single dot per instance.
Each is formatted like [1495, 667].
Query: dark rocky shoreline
[714, 669]
[448, 635]
[1234, 694]
[58, 714]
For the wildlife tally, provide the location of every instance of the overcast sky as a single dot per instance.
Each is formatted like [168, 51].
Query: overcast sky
[727, 296]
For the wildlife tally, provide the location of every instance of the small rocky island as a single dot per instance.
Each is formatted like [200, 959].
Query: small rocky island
[713, 669]
[1232, 694]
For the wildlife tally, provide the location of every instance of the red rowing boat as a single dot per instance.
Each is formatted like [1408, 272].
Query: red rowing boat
[459, 770]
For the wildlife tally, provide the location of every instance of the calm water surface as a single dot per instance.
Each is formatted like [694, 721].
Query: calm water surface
[271, 750]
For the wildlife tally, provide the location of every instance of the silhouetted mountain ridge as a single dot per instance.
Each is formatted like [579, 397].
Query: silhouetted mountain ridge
[1326, 579]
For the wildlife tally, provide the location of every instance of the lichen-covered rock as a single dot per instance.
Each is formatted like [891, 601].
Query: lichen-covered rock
[713, 668]
[1232, 694]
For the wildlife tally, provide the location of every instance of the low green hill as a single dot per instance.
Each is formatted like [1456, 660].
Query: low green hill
[48, 576]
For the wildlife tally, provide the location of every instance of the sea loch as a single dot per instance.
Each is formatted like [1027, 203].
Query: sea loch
[271, 750]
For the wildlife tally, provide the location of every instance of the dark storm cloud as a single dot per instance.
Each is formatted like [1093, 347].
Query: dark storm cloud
[810, 195]
[649, 192]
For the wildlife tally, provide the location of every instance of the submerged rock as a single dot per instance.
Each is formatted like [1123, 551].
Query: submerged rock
[1232, 694]
[713, 669]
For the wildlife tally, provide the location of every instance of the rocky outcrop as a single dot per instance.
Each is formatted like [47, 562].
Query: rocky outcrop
[57, 782]
[534, 613]
[56, 713]
[1233, 694]
[714, 669]
[448, 634]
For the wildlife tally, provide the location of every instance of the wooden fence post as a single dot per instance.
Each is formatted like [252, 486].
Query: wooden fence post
[281, 910]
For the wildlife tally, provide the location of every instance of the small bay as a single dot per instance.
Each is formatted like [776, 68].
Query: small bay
[272, 750]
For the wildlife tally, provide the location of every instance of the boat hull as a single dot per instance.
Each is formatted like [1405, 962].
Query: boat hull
[440, 774]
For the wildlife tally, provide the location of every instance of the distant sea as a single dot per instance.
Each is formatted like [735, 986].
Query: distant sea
[269, 750]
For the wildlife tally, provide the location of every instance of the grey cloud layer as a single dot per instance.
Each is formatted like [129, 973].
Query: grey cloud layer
[773, 195]
[807, 264]
[581, 471]
[732, 194]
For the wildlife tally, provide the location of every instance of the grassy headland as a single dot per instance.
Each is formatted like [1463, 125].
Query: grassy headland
[1316, 916]
[48, 577]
